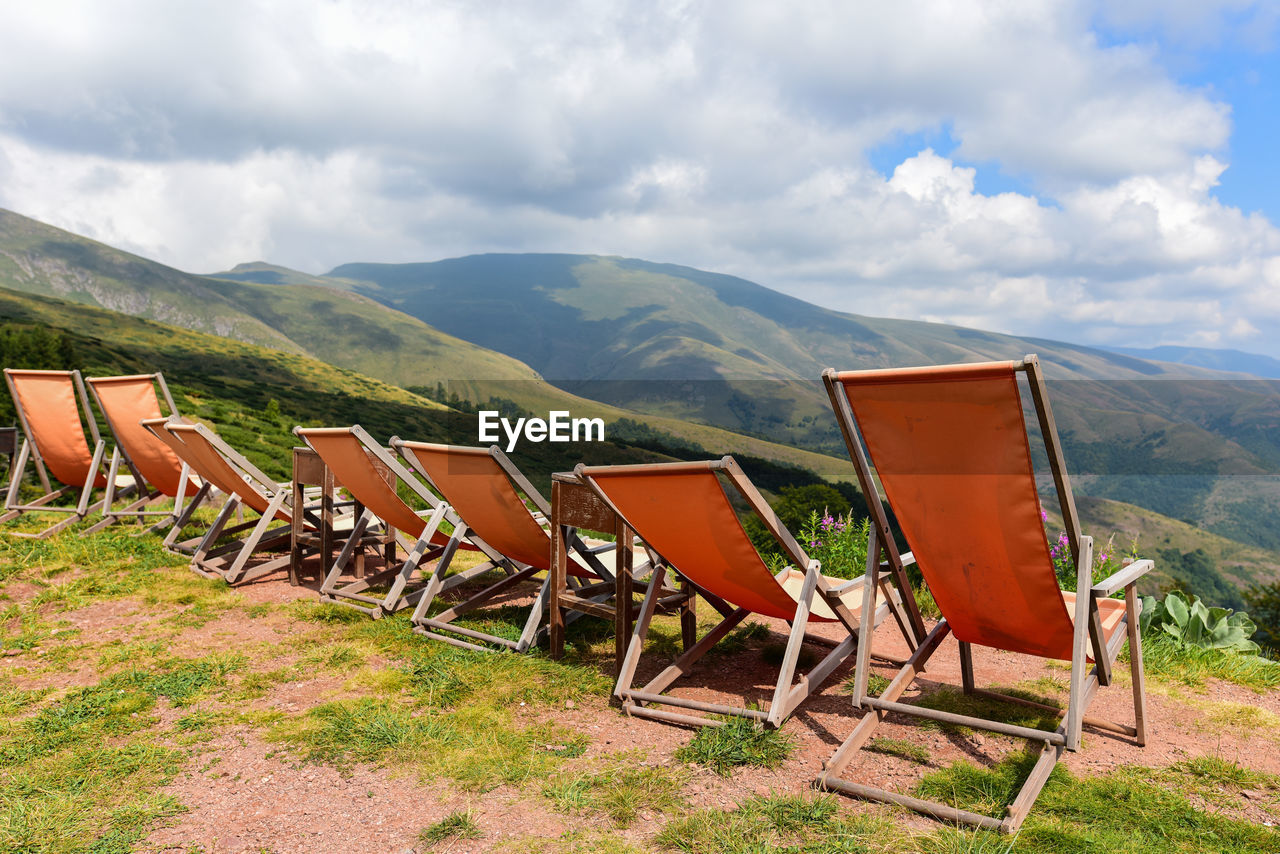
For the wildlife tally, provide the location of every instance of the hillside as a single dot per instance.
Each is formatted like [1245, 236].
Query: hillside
[327, 323]
[653, 347]
[1204, 357]
[1185, 441]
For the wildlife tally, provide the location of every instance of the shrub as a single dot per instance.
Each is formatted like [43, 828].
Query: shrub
[1190, 623]
[838, 542]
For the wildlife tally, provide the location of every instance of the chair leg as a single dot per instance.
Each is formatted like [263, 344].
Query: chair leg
[1135, 665]
[181, 521]
[16, 473]
[535, 616]
[777, 707]
[966, 667]
[331, 578]
[435, 583]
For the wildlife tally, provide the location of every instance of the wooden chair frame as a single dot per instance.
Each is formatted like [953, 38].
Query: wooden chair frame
[441, 626]
[576, 506]
[148, 493]
[786, 695]
[29, 452]
[1089, 639]
[230, 562]
[403, 592]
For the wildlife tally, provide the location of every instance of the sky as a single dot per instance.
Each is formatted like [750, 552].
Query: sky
[1097, 172]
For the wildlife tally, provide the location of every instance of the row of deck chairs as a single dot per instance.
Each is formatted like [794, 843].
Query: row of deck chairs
[950, 451]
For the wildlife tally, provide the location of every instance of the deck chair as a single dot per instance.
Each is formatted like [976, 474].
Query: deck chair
[950, 446]
[245, 486]
[157, 470]
[483, 488]
[683, 513]
[350, 453]
[49, 406]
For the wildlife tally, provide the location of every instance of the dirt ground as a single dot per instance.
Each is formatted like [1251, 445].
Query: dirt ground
[245, 795]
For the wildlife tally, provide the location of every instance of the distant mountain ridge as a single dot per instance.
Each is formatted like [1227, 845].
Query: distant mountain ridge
[1204, 357]
[687, 347]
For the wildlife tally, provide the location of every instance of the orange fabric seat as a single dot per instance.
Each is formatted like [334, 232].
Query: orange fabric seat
[345, 456]
[952, 454]
[50, 407]
[480, 492]
[127, 402]
[210, 463]
[951, 445]
[685, 515]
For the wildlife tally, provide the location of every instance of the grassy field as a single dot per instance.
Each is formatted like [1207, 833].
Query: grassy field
[129, 685]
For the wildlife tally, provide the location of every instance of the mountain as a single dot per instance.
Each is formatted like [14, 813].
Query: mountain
[329, 324]
[653, 348]
[1219, 360]
[1189, 442]
[232, 383]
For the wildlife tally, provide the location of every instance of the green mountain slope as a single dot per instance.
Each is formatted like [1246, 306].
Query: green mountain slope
[333, 325]
[231, 383]
[729, 352]
[621, 337]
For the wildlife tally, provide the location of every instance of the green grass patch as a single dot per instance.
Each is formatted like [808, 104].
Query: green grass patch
[479, 746]
[954, 700]
[900, 748]
[738, 742]
[1193, 666]
[571, 842]
[83, 773]
[875, 685]
[457, 825]
[740, 638]
[783, 824]
[1132, 809]
[619, 790]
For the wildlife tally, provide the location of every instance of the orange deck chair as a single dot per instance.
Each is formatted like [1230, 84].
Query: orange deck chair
[157, 470]
[683, 514]
[49, 406]
[950, 446]
[244, 485]
[483, 488]
[350, 453]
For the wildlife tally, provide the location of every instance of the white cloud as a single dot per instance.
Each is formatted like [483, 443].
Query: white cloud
[728, 136]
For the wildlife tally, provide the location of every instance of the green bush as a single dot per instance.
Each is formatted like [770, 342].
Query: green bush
[1188, 622]
[838, 542]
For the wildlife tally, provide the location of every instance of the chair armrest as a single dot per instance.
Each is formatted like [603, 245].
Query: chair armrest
[849, 585]
[1125, 576]
[603, 547]
[908, 558]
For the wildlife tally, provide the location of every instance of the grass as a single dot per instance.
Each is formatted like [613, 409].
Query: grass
[774, 825]
[951, 699]
[875, 684]
[900, 748]
[738, 742]
[85, 768]
[456, 825]
[619, 790]
[1132, 809]
[1173, 662]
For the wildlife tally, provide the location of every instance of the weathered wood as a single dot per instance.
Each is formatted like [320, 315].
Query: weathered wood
[939, 811]
[963, 720]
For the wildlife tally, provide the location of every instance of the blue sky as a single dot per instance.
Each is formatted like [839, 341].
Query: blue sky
[1099, 172]
[1232, 56]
